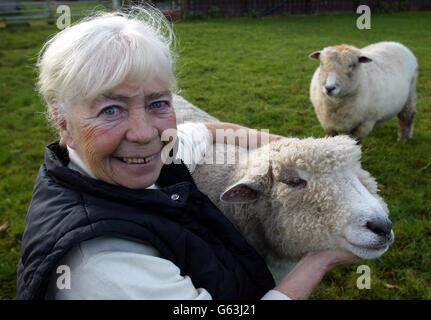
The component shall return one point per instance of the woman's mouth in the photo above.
(137, 160)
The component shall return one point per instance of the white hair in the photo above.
(100, 52)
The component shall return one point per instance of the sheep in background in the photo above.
(354, 89)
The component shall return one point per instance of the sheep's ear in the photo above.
(315, 55)
(239, 193)
(364, 59)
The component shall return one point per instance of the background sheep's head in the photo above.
(339, 69)
(312, 194)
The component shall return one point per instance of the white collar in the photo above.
(77, 164)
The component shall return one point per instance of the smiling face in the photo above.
(118, 134)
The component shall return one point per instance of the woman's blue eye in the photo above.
(111, 111)
(159, 104)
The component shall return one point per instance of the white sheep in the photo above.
(296, 195)
(354, 89)
(185, 111)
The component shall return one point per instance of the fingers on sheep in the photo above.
(299, 195)
(354, 89)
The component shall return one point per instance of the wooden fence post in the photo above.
(184, 8)
(116, 5)
(52, 9)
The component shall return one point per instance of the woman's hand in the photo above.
(334, 258)
(309, 271)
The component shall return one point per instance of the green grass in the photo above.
(254, 72)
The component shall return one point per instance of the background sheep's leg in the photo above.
(407, 115)
(363, 130)
(331, 133)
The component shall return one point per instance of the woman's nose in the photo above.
(141, 128)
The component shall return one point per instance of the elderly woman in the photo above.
(108, 219)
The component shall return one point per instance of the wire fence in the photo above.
(18, 13)
(14, 12)
(266, 7)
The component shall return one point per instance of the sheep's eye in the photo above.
(292, 179)
(295, 182)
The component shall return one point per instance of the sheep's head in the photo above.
(340, 68)
(312, 194)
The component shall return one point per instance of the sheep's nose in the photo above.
(380, 226)
(330, 89)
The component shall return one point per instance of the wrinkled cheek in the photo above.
(166, 122)
(171, 121)
(97, 147)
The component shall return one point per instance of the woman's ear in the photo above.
(65, 134)
(66, 137)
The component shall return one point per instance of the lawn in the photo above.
(254, 72)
